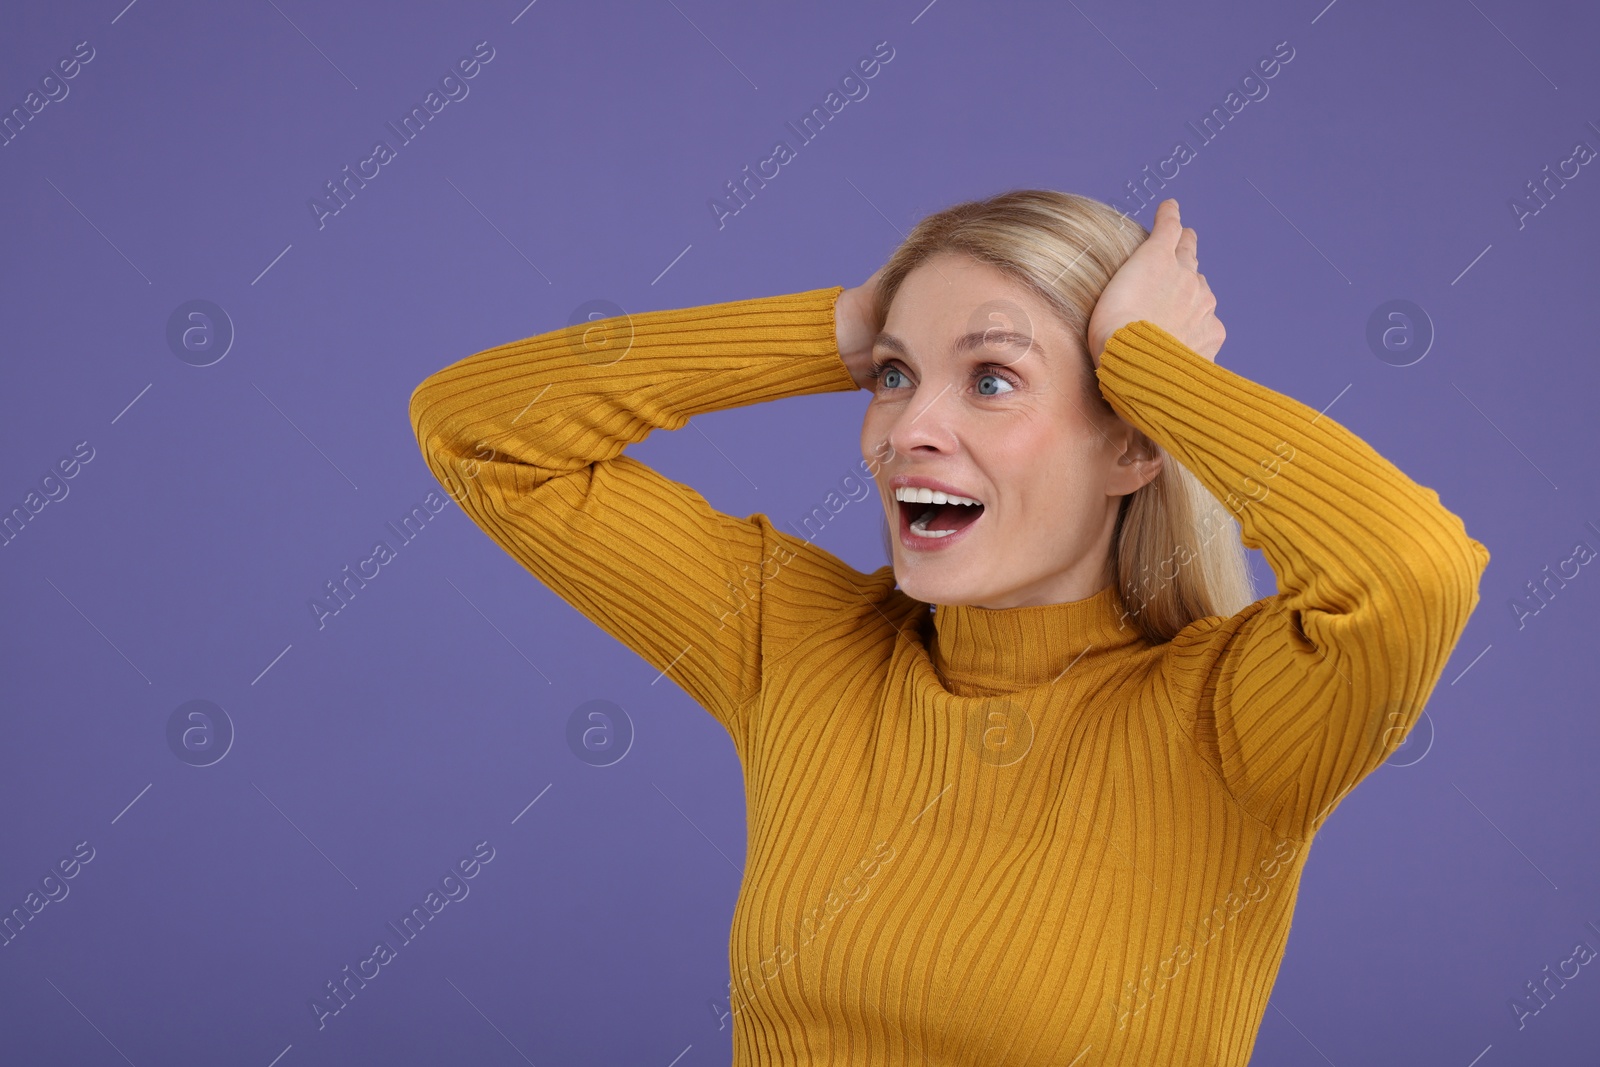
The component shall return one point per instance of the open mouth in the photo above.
(939, 520)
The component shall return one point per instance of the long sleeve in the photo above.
(1298, 696)
(527, 437)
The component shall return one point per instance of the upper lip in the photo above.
(912, 481)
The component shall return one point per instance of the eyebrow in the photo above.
(977, 339)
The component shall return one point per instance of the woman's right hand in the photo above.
(855, 317)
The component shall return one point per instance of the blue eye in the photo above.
(877, 371)
(998, 378)
(886, 375)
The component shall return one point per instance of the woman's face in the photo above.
(984, 392)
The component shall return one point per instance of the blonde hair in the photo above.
(1168, 563)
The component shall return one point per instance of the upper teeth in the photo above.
(913, 495)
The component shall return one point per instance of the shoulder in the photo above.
(809, 590)
(1203, 640)
(1183, 672)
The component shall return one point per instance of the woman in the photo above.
(1048, 800)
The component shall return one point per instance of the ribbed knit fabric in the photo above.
(1023, 836)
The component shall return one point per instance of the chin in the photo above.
(930, 588)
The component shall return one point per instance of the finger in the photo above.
(1188, 249)
(1167, 226)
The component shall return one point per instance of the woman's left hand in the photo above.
(1161, 282)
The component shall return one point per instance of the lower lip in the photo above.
(913, 543)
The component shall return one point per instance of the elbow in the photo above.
(419, 409)
(437, 403)
(1445, 561)
(1446, 578)
(1457, 564)
(429, 413)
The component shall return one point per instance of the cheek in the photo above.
(875, 455)
(1053, 479)
(873, 432)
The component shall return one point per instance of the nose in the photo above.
(926, 424)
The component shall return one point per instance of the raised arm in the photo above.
(1300, 695)
(527, 437)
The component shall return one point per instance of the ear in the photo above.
(1137, 464)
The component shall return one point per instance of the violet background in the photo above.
(432, 710)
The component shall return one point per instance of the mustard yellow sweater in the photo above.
(1023, 836)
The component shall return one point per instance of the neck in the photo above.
(984, 651)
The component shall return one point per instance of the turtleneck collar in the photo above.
(984, 651)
